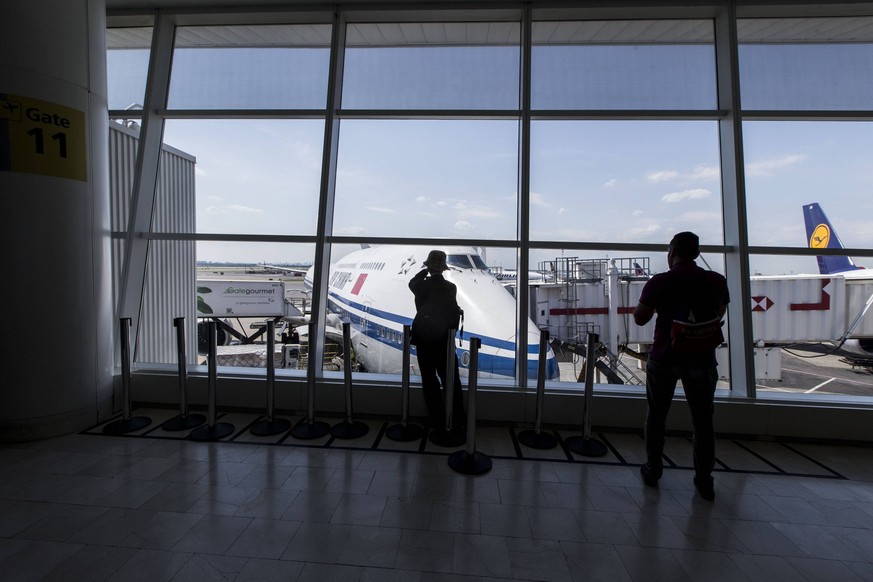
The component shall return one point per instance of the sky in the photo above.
(603, 181)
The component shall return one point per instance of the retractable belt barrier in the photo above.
(213, 430)
(126, 423)
(470, 462)
(449, 436)
(183, 420)
(404, 432)
(585, 445)
(349, 428)
(309, 428)
(270, 425)
(535, 438)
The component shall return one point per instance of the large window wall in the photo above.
(558, 150)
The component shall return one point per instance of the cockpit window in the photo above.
(460, 261)
(477, 260)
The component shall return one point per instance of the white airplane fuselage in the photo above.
(369, 289)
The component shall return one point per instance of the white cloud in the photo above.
(693, 194)
(645, 232)
(610, 183)
(381, 209)
(422, 199)
(705, 173)
(463, 225)
(662, 176)
(537, 199)
(771, 166)
(700, 217)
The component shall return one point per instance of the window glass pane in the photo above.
(789, 165)
(628, 181)
(806, 63)
(241, 286)
(623, 64)
(797, 321)
(252, 176)
(250, 67)
(127, 63)
(449, 179)
(369, 288)
(576, 293)
(435, 65)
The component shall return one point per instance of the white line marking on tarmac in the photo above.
(814, 388)
(847, 380)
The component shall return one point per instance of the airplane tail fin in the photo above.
(821, 235)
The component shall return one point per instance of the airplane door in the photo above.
(542, 315)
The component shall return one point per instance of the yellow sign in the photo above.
(820, 238)
(38, 137)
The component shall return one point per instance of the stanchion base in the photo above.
(211, 433)
(349, 430)
(586, 447)
(305, 430)
(124, 426)
(448, 438)
(537, 440)
(270, 427)
(404, 434)
(180, 422)
(468, 464)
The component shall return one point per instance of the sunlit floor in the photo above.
(153, 506)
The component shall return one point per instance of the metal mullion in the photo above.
(522, 290)
(416, 241)
(808, 252)
(144, 189)
(327, 195)
(218, 237)
(629, 114)
(805, 115)
(734, 211)
(242, 113)
(417, 114)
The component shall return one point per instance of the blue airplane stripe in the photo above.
(489, 363)
(486, 340)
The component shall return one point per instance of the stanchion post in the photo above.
(183, 421)
(127, 423)
(348, 429)
(585, 445)
(270, 425)
(449, 436)
(450, 380)
(404, 431)
(535, 438)
(213, 430)
(309, 428)
(470, 462)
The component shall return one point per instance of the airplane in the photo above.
(369, 289)
(512, 275)
(821, 235)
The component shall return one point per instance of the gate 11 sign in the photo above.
(38, 137)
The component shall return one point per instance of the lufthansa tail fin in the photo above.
(821, 235)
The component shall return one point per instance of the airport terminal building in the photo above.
(184, 177)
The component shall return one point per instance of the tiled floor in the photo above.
(154, 506)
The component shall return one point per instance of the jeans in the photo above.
(699, 385)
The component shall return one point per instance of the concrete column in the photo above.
(56, 369)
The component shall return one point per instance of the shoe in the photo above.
(650, 477)
(705, 487)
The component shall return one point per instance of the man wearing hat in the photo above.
(690, 302)
(437, 312)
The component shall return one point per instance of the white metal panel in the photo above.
(797, 309)
(857, 295)
(169, 287)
